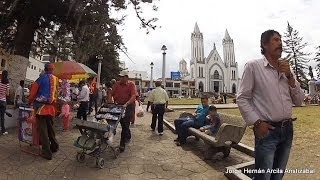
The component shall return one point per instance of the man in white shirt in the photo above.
(267, 92)
(83, 98)
(19, 97)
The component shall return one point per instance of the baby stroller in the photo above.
(96, 136)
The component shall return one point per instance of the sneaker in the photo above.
(5, 133)
(121, 148)
(161, 133)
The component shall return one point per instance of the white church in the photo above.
(212, 74)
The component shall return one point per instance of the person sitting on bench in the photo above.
(196, 121)
(213, 122)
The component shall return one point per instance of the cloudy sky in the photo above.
(245, 21)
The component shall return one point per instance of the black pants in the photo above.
(157, 113)
(47, 135)
(125, 125)
(82, 110)
(2, 112)
(93, 100)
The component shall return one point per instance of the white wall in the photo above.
(34, 69)
(136, 74)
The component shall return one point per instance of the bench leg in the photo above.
(226, 151)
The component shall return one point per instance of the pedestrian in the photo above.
(65, 115)
(124, 93)
(267, 92)
(104, 95)
(83, 98)
(196, 120)
(225, 98)
(4, 92)
(159, 98)
(93, 97)
(43, 95)
(19, 97)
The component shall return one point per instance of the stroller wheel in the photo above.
(100, 163)
(80, 157)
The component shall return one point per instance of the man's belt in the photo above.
(282, 123)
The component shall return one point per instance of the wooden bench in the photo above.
(229, 134)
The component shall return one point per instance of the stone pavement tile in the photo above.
(136, 169)
(184, 172)
(212, 174)
(40, 177)
(147, 176)
(119, 170)
(199, 176)
(129, 176)
(171, 167)
(21, 177)
(194, 167)
(181, 178)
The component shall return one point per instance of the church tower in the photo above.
(230, 63)
(197, 63)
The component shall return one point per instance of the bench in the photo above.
(229, 134)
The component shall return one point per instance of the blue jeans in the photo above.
(272, 152)
(182, 125)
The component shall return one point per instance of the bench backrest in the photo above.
(232, 128)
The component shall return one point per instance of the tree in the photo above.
(317, 59)
(294, 49)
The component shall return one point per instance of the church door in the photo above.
(216, 86)
(234, 90)
(200, 86)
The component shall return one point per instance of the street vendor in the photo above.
(124, 93)
(43, 95)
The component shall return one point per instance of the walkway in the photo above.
(148, 156)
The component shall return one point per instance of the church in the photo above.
(211, 73)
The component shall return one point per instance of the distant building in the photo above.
(122, 64)
(183, 69)
(35, 68)
(212, 73)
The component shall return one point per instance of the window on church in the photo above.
(199, 72)
(216, 75)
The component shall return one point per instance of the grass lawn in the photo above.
(305, 151)
(192, 101)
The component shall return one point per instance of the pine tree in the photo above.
(298, 58)
(317, 59)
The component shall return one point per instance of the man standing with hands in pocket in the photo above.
(266, 94)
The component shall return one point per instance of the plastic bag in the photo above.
(140, 112)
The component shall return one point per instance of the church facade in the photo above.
(212, 73)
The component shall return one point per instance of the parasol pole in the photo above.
(99, 70)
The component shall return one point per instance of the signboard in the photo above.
(175, 75)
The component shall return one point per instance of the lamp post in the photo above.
(164, 48)
(151, 78)
(99, 57)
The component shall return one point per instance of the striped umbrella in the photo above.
(72, 70)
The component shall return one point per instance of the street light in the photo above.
(151, 78)
(99, 57)
(164, 48)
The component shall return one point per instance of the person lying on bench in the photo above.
(196, 121)
(212, 120)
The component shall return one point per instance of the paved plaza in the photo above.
(148, 156)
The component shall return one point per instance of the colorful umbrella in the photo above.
(72, 70)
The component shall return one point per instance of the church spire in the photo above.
(226, 35)
(214, 46)
(196, 28)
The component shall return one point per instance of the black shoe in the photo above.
(153, 129)
(127, 141)
(46, 157)
(176, 140)
(122, 148)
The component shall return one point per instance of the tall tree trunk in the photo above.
(25, 35)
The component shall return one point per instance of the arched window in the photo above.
(216, 74)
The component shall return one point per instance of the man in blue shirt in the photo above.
(196, 120)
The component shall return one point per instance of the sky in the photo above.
(245, 21)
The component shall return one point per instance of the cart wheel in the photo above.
(100, 163)
(80, 157)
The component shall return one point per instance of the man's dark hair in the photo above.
(212, 108)
(265, 38)
(158, 83)
(204, 97)
(4, 77)
(22, 83)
